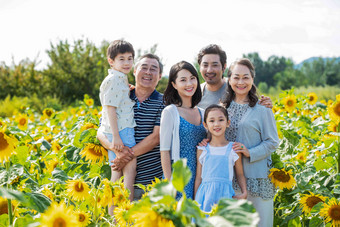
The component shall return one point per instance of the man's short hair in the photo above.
(152, 56)
(213, 49)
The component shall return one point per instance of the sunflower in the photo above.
(82, 217)
(301, 156)
(89, 102)
(334, 111)
(282, 178)
(94, 153)
(58, 215)
(120, 194)
(148, 217)
(309, 201)
(88, 125)
(3, 206)
(331, 211)
(48, 193)
(51, 164)
(7, 146)
(120, 214)
(289, 103)
(22, 120)
(312, 98)
(46, 130)
(106, 199)
(48, 112)
(333, 127)
(77, 189)
(55, 146)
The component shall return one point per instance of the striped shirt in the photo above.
(147, 115)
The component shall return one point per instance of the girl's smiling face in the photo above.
(216, 122)
(185, 83)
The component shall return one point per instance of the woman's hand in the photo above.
(204, 142)
(240, 148)
(241, 196)
(266, 101)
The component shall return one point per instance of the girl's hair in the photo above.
(252, 95)
(214, 107)
(171, 95)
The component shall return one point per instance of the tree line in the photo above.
(79, 68)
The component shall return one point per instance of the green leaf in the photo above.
(23, 221)
(315, 222)
(12, 194)
(181, 174)
(4, 221)
(37, 201)
(161, 190)
(59, 176)
(321, 164)
(294, 222)
(238, 212)
(105, 172)
(22, 154)
(292, 137)
(46, 144)
(190, 209)
(217, 221)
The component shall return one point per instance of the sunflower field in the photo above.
(54, 172)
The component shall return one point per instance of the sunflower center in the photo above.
(281, 176)
(22, 121)
(334, 212)
(95, 151)
(312, 201)
(3, 142)
(79, 187)
(3, 208)
(337, 109)
(59, 222)
(48, 113)
(311, 98)
(81, 218)
(290, 103)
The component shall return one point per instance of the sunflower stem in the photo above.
(338, 129)
(9, 201)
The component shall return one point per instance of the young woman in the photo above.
(182, 121)
(253, 128)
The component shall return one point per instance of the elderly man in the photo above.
(147, 113)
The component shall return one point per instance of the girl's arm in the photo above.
(198, 179)
(166, 164)
(117, 143)
(240, 178)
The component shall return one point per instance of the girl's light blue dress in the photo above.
(190, 135)
(216, 179)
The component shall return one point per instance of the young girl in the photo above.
(118, 118)
(181, 121)
(216, 162)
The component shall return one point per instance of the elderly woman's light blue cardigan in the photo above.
(257, 131)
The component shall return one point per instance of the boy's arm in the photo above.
(117, 143)
(198, 179)
(240, 178)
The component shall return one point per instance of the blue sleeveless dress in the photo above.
(216, 182)
(190, 135)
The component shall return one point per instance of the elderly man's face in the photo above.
(147, 73)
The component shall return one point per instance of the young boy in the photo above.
(117, 113)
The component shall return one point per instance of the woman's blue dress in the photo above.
(190, 135)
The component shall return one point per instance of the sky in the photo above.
(296, 29)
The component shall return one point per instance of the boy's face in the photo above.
(122, 62)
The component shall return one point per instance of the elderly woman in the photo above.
(253, 129)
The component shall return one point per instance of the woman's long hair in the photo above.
(171, 95)
(252, 95)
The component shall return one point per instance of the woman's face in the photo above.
(185, 83)
(241, 80)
